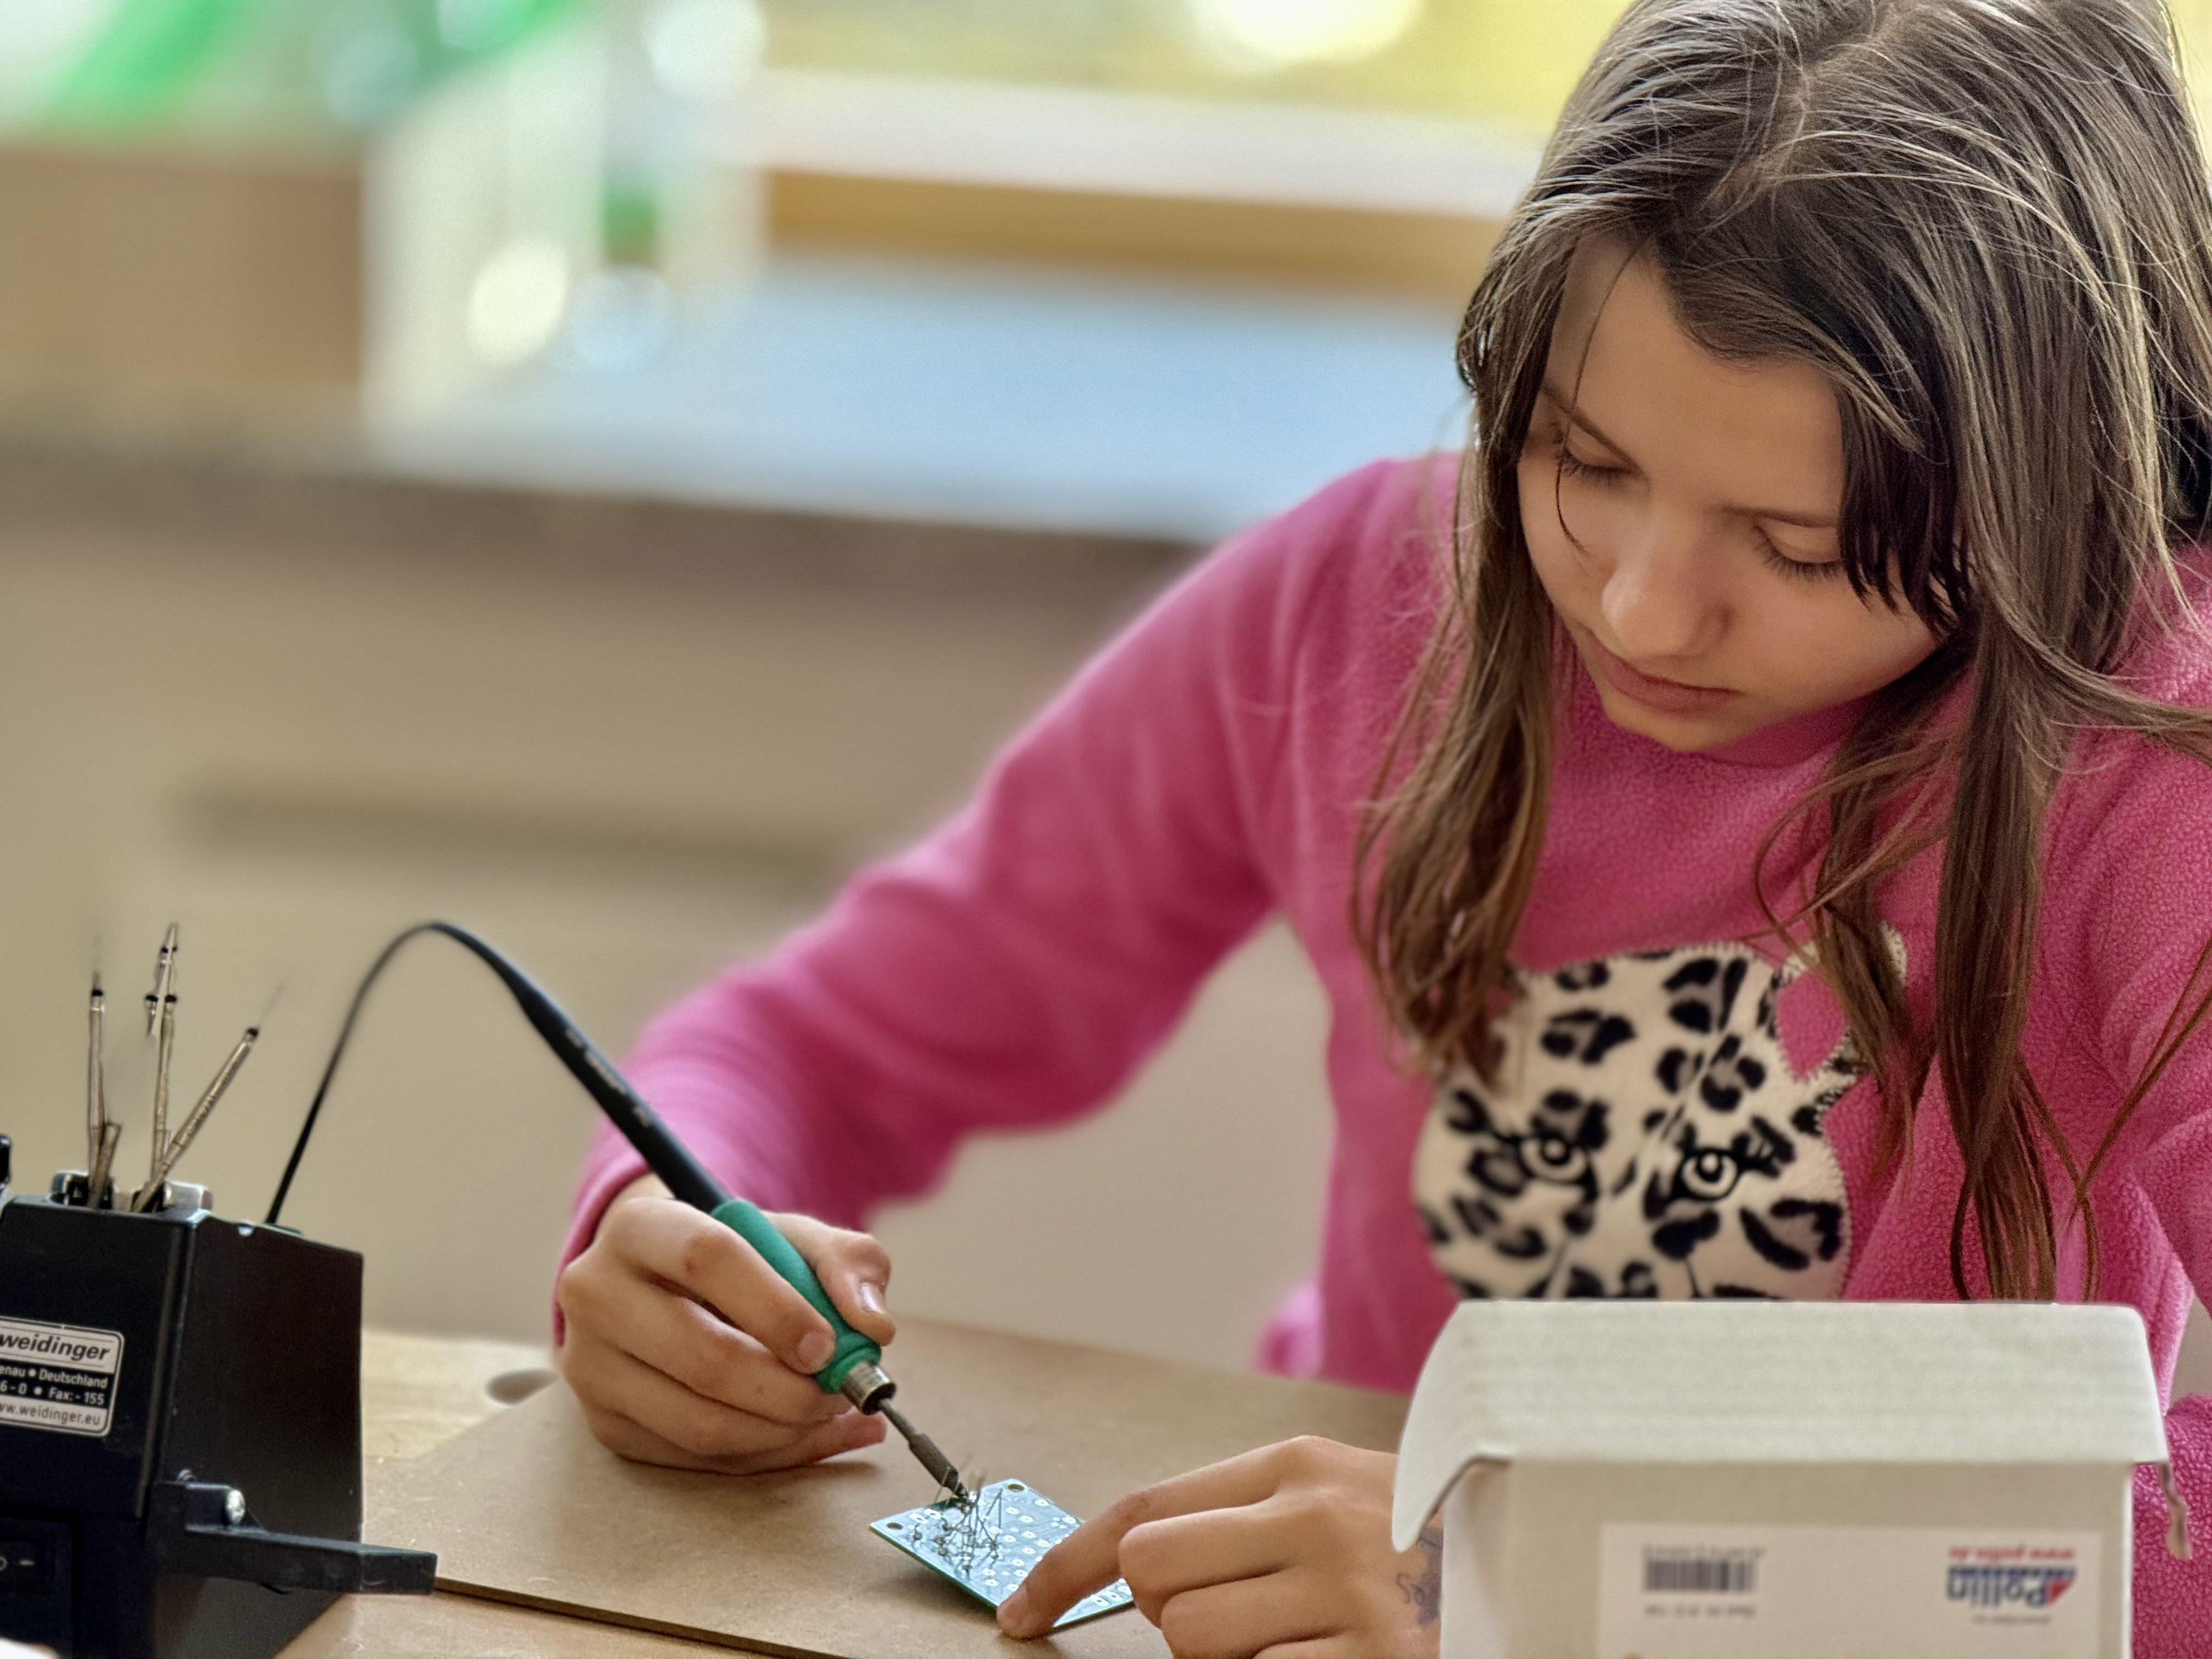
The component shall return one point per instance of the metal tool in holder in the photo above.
(179, 1394)
(179, 1405)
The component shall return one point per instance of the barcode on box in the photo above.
(1700, 1572)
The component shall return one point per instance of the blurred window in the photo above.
(1505, 62)
(324, 67)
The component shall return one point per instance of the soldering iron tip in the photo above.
(926, 1454)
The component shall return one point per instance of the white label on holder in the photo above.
(1720, 1592)
(61, 1377)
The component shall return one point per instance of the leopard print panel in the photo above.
(1647, 1138)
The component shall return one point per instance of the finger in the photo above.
(708, 1356)
(706, 1260)
(1162, 1559)
(1089, 1558)
(1236, 1621)
(1326, 1647)
(851, 1432)
(610, 1302)
(700, 1430)
(648, 1185)
(627, 1437)
(854, 1269)
(704, 1428)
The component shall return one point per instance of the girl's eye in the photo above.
(1573, 465)
(1811, 570)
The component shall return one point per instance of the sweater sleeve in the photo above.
(2143, 879)
(2174, 1597)
(1013, 969)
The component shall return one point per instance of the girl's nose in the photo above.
(1658, 601)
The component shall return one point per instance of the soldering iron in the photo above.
(855, 1368)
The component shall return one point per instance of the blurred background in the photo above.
(599, 470)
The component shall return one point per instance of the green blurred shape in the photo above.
(154, 58)
(513, 22)
(146, 60)
(629, 223)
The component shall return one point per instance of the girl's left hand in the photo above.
(1283, 1553)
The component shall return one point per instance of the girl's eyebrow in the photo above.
(1575, 416)
(1566, 407)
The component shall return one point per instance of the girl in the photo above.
(1766, 852)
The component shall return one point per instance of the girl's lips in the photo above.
(1669, 696)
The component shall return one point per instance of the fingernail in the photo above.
(1014, 1612)
(815, 1349)
(871, 1297)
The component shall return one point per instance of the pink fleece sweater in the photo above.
(1678, 1114)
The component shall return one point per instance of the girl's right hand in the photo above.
(687, 1350)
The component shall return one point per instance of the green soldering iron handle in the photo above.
(749, 1223)
(639, 1124)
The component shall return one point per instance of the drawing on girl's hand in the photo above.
(1424, 1591)
(1647, 1137)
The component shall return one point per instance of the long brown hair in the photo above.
(1987, 223)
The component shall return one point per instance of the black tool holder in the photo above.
(180, 1432)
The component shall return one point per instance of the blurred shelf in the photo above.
(1274, 194)
(976, 395)
(254, 492)
(1129, 144)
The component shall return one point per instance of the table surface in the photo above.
(421, 1392)
(417, 1393)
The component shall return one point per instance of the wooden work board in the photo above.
(528, 1509)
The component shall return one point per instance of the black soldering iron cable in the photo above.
(663, 1154)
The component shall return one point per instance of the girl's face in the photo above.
(1681, 509)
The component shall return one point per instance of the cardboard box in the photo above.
(1721, 1480)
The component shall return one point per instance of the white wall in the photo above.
(294, 752)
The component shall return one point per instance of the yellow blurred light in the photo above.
(517, 299)
(1277, 34)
